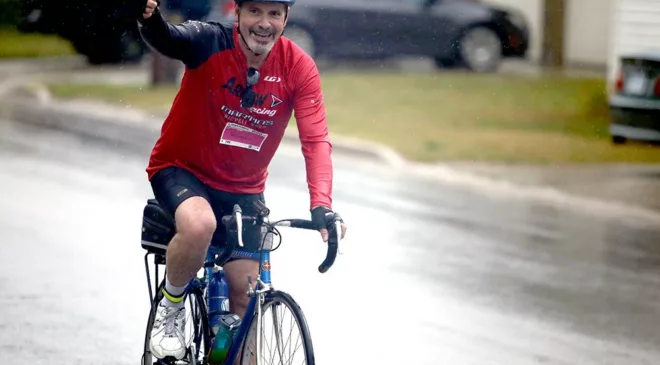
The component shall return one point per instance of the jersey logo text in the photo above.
(237, 116)
(264, 111)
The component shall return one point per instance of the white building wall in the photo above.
(587, 32)
(597, 32)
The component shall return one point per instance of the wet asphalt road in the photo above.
(429, 275)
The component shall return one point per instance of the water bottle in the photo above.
(223, 323)
(218, 298)
(228, 326)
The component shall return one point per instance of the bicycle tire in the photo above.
(271, 299)
(201, 327)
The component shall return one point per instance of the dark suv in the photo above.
(103, 31)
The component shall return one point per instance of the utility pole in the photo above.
(164, 70)
(554, 15)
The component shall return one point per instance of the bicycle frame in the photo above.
(263, 279)
(263, 286)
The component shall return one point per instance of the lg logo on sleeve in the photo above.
(272, 79)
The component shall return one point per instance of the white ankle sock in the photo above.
(173, 295)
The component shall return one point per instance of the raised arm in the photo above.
(192, 42)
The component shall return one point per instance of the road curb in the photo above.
(126, 129)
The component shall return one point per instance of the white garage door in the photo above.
(635, 27)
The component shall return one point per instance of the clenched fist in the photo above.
(151, 6)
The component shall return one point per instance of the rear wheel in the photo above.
(480, 49)
(285, 337)
(131, 47)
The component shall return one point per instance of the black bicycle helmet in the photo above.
(288, 2)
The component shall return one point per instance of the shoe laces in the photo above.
(170, 317)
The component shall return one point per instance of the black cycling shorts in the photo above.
(173, 185)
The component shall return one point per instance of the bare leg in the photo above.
(237, 272)
(195, 224)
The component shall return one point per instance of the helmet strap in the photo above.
(238, 27)
(246, 43)
(286, 16)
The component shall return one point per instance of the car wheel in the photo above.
(618, 140)
(302, 38)
(132, 49)
(480, 49)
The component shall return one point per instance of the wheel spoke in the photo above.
(278, 338)
(286, 351)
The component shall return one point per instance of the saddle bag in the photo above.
(158, 228)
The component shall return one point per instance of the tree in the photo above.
(554, 15)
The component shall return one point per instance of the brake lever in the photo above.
(239, 223)
(338, 233)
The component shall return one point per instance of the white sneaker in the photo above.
(167, 335)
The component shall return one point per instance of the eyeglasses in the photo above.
(249, 96)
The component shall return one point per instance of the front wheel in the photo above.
(285, 337)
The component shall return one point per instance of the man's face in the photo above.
(261, 24)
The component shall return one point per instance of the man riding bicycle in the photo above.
(241, 85)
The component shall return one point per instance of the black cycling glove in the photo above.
(323, 217)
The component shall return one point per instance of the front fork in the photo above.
(262, 289)
(260, 294)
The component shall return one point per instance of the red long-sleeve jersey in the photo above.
(207, 130)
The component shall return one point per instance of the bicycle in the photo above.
(202, 293)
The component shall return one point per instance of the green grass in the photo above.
(155, 100)
(450, 116)
(14, 44)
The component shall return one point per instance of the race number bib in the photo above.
(244, 137)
